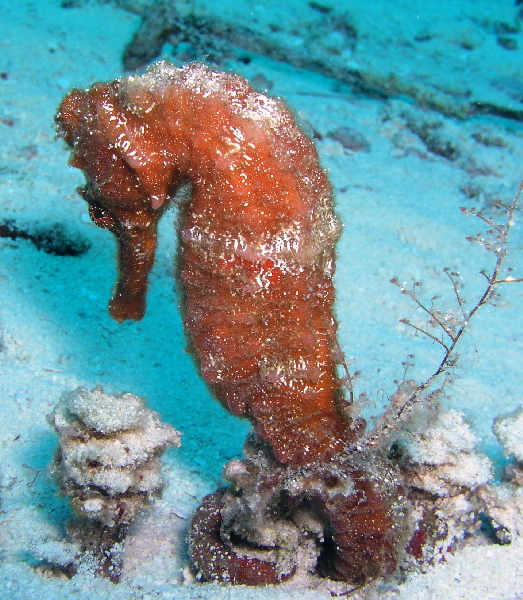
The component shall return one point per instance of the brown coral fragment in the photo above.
(362, 534)
(215, 561)
(333, 520)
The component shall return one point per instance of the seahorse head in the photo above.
(127, 182)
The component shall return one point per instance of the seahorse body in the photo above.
(257, 238)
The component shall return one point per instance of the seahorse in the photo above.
(257, 253)
(257, 238)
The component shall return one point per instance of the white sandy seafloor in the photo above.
(400, 206)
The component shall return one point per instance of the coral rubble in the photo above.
(444, 473)
(337, 519)
(504, 502)
(509, 429)
(108, 463)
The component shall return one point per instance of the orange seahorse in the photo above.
(257, 238)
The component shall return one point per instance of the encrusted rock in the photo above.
(108, 461)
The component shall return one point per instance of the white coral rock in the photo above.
(108, 461)
(442, 458)
(509, 431)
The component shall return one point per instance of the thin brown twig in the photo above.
(449, 358)
(425, 332)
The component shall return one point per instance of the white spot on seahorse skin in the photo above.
(238, 133)
(235, 148)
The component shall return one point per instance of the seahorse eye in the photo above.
(99, 216)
